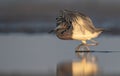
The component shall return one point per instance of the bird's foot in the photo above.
(94, 43)
(78, 47)
(82, 50)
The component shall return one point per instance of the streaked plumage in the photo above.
(73, 25)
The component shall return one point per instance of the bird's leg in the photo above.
(94, 43)
(78, 48)
(87, 54)
(84, 46)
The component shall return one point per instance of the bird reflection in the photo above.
(81, 67)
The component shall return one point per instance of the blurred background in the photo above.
(27, 48)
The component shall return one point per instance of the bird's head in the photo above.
(63, 20)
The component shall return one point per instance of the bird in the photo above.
(74, 25)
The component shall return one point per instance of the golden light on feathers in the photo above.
(73, 25)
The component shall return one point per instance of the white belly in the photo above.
(83, 34)
(80, 36)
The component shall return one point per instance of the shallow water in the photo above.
(41, 53)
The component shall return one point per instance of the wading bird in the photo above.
(73, 25)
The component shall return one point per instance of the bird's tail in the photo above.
(100, 30)
(104, 29)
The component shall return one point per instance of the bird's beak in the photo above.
(58, 27)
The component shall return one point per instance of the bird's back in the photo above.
(83, 29)
(75, 24)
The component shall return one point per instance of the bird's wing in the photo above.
(88, 24)
(84, 22)
(68, 17)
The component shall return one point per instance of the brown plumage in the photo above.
(73, 25)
